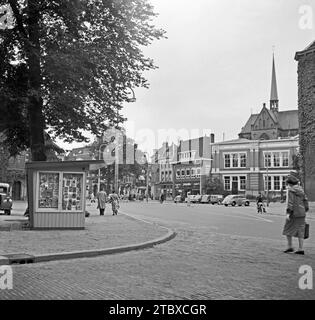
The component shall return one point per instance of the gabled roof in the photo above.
(248, 126)
(286, 120)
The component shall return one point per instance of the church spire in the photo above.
(274, 101)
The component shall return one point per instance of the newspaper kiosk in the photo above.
(56, 193)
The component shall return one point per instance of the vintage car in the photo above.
(216, 198)
(5, 199)
(205, 198)
(234, 200)
(196, 198)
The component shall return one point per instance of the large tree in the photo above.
(68, 66)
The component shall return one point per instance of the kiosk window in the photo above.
(72, 192)
(48, 190)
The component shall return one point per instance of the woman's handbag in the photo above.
(307, 231)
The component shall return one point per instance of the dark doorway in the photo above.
(234, 187)
(16, 190)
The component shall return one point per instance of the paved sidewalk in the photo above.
(101, 232)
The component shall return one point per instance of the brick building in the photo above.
(264, 152)
(163, 178)
(192, 166)
(306, 96)
(271, 123)
(244, 166)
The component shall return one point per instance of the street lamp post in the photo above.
(99, 170)
(147, 176)
(267, 176)
(116, 167)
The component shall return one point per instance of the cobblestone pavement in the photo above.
(100, 232)
(200, 263)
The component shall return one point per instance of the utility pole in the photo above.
(268, 179)
(116, 166)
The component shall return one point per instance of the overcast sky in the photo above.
(215, 66)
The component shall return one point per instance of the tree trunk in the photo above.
(35, 114)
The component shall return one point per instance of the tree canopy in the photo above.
(68, 66)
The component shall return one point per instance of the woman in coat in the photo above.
(297, 206)
(101, 201)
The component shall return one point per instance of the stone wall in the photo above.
(306, 96)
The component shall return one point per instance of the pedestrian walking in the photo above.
(101, 201)
(92, 198)
(114, 200)
(296, 208)
(162, 197)
(188, 199)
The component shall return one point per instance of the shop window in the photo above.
(72, 192)
(60, 191)
(48, 190)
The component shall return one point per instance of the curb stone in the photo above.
(94, 253)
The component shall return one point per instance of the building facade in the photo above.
(193, 165)
(251, 166)
(306, 96)
(162, 160)
(271, 123)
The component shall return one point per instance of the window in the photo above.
(285, 159)
(188, 172)
(48, 190)
(276, 183)
(284, 182)
(198, 172)
(268, 186)
(72, 192)
(60, 191)
(267, 160)
(178, 173)
(193, 172)
(227, 161)
(243, 160)
(227, 183)
(276, 159)
(183, 173)
(235, 160)
(242, 183)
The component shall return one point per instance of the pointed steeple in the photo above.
(274, 101)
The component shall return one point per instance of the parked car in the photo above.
(216, 198)
(5, 199)
(205, 198)
(178, 199)
(234, 200)
(196, 198)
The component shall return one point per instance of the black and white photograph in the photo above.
(156, 155)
